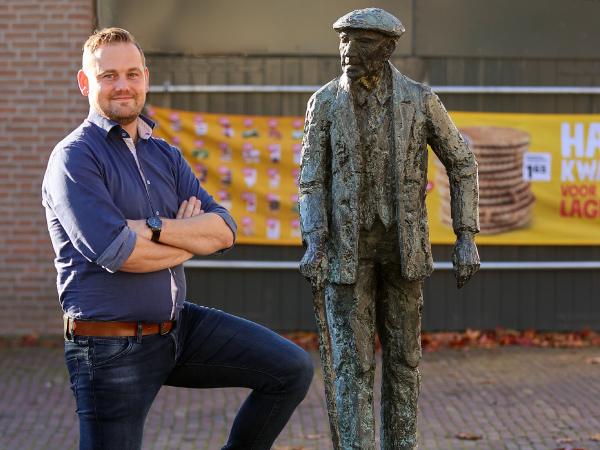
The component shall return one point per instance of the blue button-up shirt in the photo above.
(91, 187)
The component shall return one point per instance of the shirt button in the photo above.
(157, 213)
(148, 181)
(124, 134)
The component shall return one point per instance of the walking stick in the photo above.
(325, 351)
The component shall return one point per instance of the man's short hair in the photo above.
(108, 36)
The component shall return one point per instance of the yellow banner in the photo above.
(539, 179)
(539, 174)
(249, 164)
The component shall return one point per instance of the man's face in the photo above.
(363, 52)
(116, 82)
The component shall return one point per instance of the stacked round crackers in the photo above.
(505, 199)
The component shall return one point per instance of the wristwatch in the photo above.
(155, 225)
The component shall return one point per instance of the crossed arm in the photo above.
(192, 232)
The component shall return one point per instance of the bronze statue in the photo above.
(363, 182)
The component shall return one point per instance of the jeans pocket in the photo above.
(107, 350)
(73, 368)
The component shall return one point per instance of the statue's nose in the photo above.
(350, 49)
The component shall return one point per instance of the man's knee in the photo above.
(301, 369)
(306, 369)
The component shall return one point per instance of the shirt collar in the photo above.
(145, 125)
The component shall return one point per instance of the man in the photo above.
(124, 212)
(363, 182)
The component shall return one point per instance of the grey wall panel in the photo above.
(263, 70)
(279, 299)
(507, 28)
(511, 299)
(238, 26)
(459, 28)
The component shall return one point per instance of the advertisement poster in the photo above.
(539, 174)
(539, 179)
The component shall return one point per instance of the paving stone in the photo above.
(517, 398)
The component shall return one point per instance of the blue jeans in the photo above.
(115, 380)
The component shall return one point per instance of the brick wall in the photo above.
(40, 53)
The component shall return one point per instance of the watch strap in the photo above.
(156, 234)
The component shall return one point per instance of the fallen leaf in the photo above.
(565, 440)
(287, 447)
(593, 360)
(31, 339)
(468, 436)
(310, 436)
(595, 437)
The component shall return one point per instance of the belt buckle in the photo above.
(68, 325)
(161, 329)
(65, 327)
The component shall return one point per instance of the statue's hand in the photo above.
(315, 263)
(465, 258)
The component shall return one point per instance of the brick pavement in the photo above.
(514, 398)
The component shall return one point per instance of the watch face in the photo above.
(154, 222)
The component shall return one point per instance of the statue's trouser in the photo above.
(380, 299)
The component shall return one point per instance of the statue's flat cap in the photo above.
(374, 19)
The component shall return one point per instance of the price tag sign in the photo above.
(536, 166)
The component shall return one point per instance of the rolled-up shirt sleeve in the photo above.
(74, 190)
(118, 251)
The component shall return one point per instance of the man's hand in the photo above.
(465, 258)
(315, 263)
(190, 208)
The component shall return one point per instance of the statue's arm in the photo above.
(313, 192)
(461, 167)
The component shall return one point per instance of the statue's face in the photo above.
(364, 52)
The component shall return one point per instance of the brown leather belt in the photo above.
(115, 329)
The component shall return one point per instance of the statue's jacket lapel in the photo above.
(411, 162)
(346, 167)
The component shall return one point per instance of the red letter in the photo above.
(594, 212)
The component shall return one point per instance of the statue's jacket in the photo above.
(331, 166)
